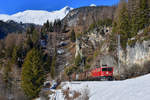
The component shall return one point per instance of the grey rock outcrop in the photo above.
(133, 55)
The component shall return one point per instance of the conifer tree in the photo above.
(51, 27)
(143, 12)
(32, 77)
(47, 64)
(18, 55)
(52, 71)
(121, 25)
(139, 15)
(78, 60)
(29, 43)
(123, 21)
(35, 37)
(73, 36)
(47, 25)
(32, 28)
(64, 28)
(14, 55)
(134, 4)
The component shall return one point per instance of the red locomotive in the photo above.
(102, 73)
(98, 73)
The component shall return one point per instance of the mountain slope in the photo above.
(10, 26)
(36, 16)
(82, 18)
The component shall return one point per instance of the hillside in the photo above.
(9, 27)
(12, 27)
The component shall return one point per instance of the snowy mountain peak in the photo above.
(93, 5)
(66, 9)
(37, 16)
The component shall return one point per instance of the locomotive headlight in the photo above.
(106, 72)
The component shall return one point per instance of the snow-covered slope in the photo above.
(131, 89)
(37, 16)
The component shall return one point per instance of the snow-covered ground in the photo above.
(131, 89)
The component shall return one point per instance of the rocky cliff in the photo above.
(133, 58)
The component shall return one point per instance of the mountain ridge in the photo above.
(38, 17)
(81, 18)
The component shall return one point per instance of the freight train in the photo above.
(95, 74)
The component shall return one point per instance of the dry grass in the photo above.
(76, 95)
(67, 93)
(44, 95)
(58, 87)
(85, 94)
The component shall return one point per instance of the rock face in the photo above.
(138, 54)
(78, 48)
(81, 18)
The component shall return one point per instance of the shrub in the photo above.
(89, 59)
(70, 70)
(105, 22)
(87, 66)
(67, 95)
(132, 42)
(96, 53)
(79, 35)
(112, 47)
(78, 60)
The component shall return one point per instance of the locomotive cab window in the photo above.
(106, 69)
(109, 69)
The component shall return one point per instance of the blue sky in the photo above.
(14, 6)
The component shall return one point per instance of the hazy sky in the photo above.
(14, 6)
